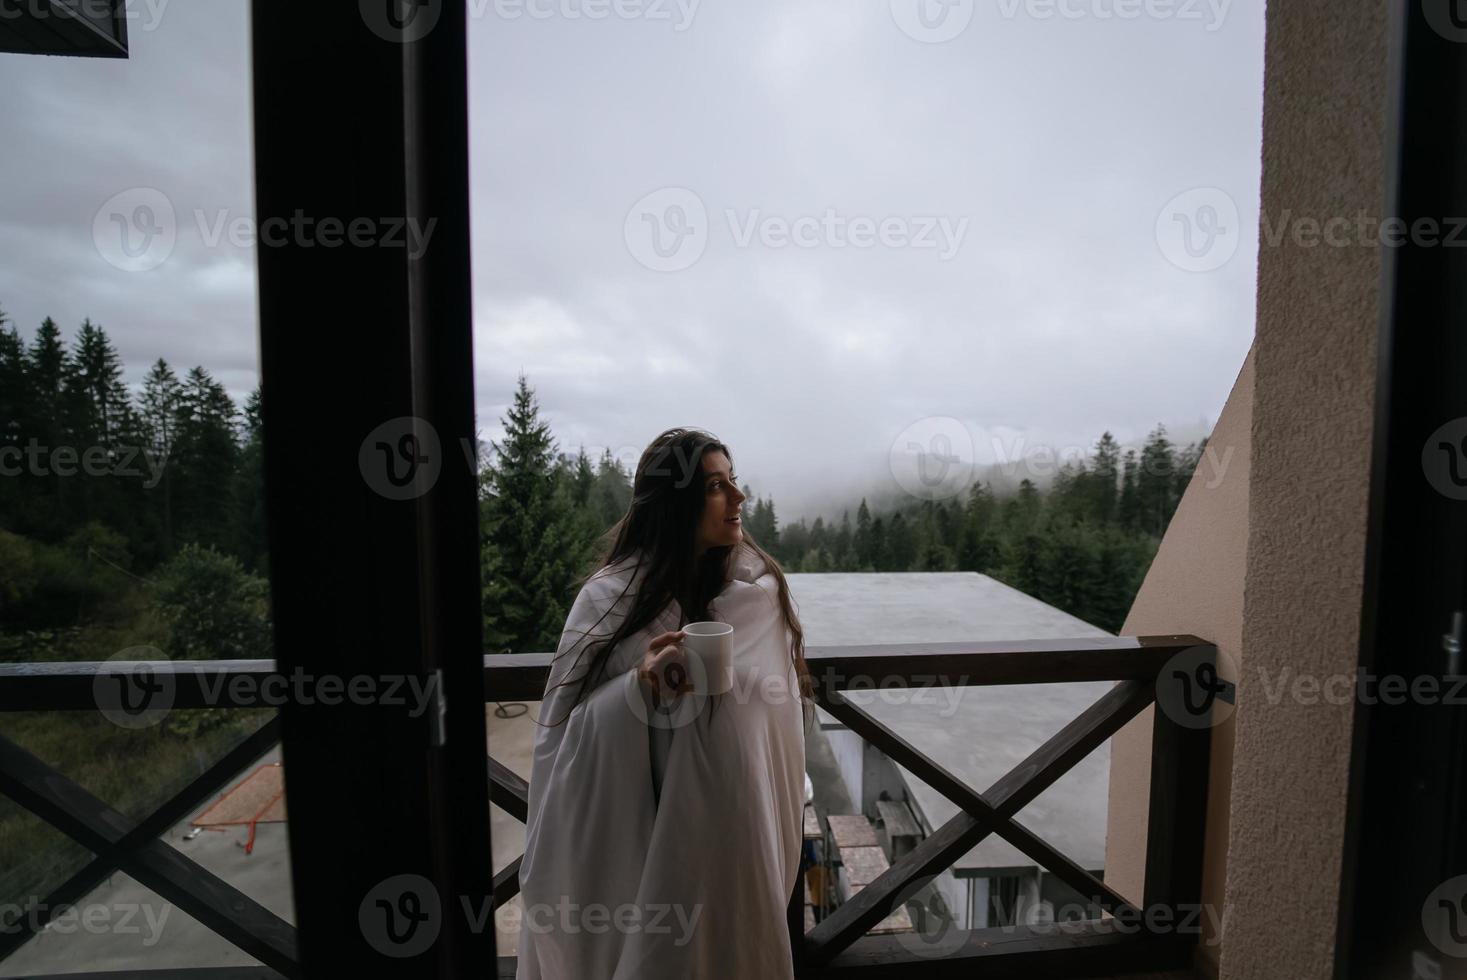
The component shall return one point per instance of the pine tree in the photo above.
(1021, 511)
(97, 399)
(901, 543)
(861, 543)
(934, 557)
(48, 500)
(1128, 508)
(1104, 471)
(979, 549)
(880, 557)
(12, 431)
(1187, 461)
(841, 548)
(100, 422)
(204, 461)
(1023, 563)
(584, 479)
(46, 365)
(1156, 482)
(818, 536)
(817, 560)
(1120, 567)
(530, 551)
(159, 423)
(979, 511)
(763, 527)
(613, 491)
(1070, 493)
(249, 492)
(949, 520)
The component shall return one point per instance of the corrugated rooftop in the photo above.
(976, 733)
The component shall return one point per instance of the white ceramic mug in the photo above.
(712, 644)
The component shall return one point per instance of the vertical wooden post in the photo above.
(1178, 809)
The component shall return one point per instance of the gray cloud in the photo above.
(1054, 142)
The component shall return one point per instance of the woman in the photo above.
(664, 826)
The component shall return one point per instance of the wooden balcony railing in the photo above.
(1178, 667)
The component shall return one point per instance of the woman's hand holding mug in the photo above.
(664, 667)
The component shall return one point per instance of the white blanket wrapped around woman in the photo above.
(664, 842)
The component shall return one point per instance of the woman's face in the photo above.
(721, 524)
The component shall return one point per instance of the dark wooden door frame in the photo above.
(1406, 824)
(373, 522)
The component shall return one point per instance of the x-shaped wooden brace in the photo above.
(512, 795)
(982, 814)
(135, 848)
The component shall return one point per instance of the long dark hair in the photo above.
(659, 530)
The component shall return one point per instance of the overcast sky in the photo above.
(823, 229)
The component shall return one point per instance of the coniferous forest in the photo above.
(132, 526)
(116, 501)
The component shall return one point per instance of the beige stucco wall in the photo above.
(1194, 585)
(1309, 461)
(1323, 154)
